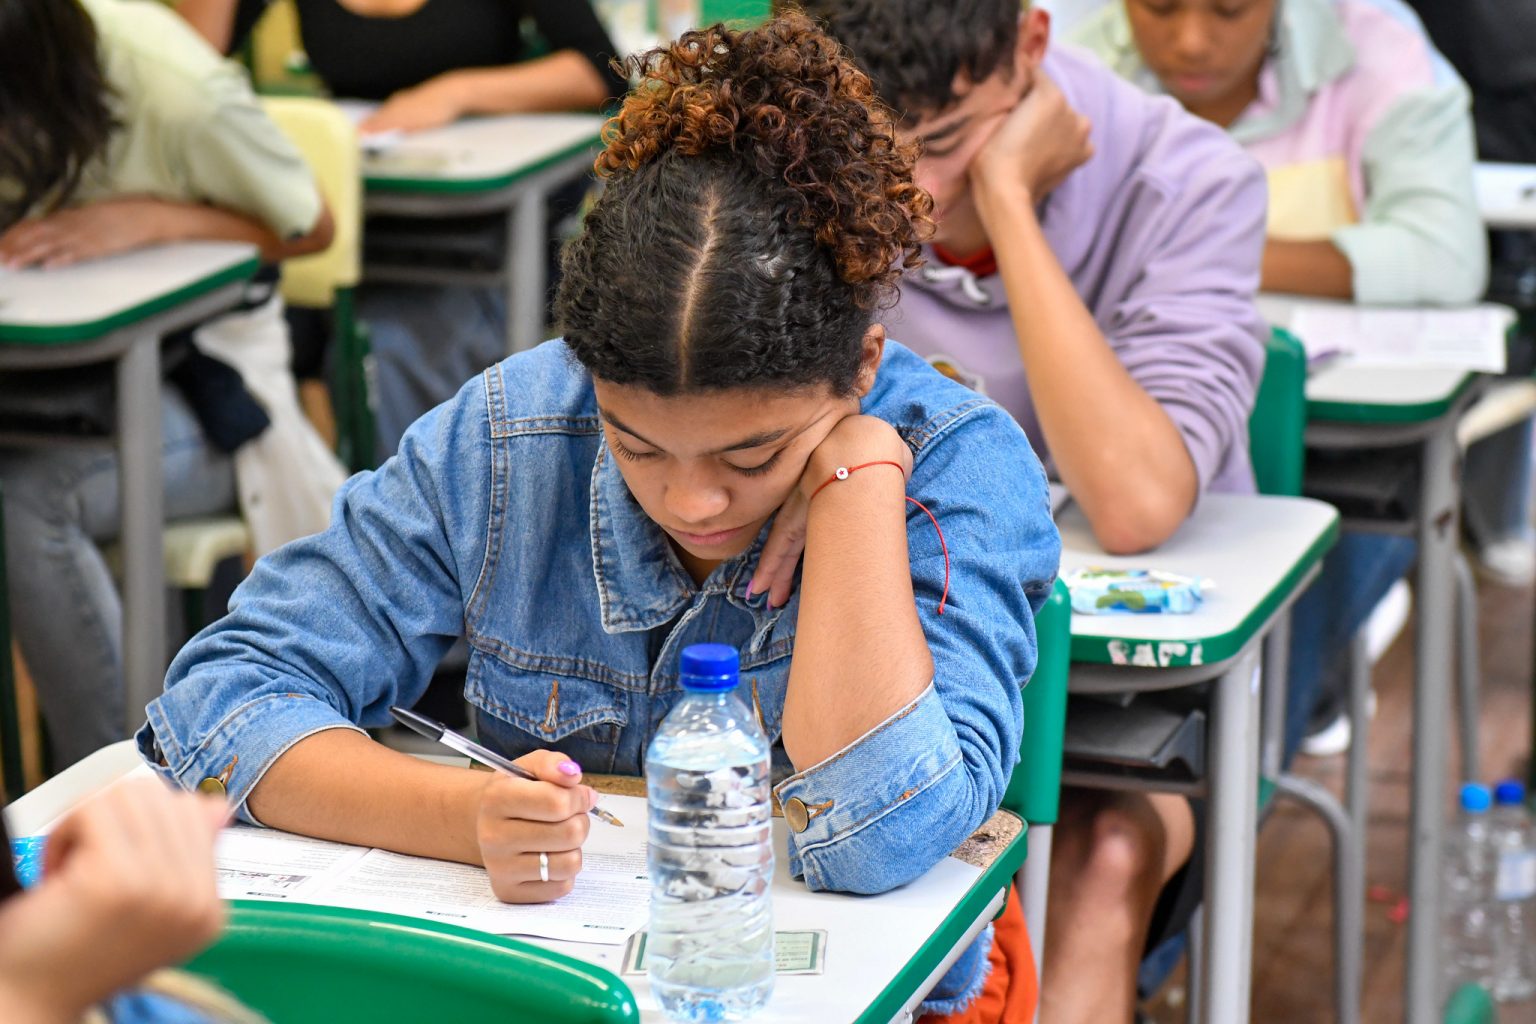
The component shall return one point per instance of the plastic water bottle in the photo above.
(1514, 890)
(710, 946)
(1469, 933)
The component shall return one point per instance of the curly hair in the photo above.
(914, 49)
(55, 105)
(759, 210)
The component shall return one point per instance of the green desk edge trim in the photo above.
(1364, 412)
(1213, 649)
(90, 330)
(993, 880)
(460, 186)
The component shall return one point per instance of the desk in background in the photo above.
(1260, 552)
(1360, 408)
(883, 952)
(507, 164)
(1506, 195)
(117, 309)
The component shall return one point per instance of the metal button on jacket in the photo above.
(796, 814)
(211, 785)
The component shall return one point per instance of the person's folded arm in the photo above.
(1188, 332)
(1420, 239)
(329, 631)
(892, 801)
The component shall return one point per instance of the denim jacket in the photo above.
(504, 519)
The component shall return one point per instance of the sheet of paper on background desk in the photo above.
(609, 901)
(358, 111)
(1470, 338)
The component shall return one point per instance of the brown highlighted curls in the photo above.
(788, 102)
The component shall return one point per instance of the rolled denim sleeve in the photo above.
(329, 631)
(886, 808)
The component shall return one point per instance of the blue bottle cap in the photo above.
(1510, 791)
(1475, 797)
(710, 667)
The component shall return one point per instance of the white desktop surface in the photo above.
(870, 938)
(1506, 195)
(103, 288)
(1245, 544)
(480, 148)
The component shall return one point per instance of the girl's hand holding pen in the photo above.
(530, 833)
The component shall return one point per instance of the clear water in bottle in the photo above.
(1469, 934)
(1514, 891)
(709, 951)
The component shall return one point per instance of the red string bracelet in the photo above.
(843, 472)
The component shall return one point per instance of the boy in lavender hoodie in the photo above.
(1093, 271)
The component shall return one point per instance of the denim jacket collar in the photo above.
(641, 584)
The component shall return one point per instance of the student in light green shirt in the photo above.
(121, 130)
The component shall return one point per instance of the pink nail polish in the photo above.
(568, 768)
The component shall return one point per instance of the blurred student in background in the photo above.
(429, 63)
(120, 130)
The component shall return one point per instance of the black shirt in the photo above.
(371, 58)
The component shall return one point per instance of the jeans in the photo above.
(427, 340)
(1354, 576)
(1496, 486)
(60, 503)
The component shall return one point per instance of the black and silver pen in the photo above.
(435, 730)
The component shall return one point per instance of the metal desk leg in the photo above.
(142, 500)
(1275, 681)
(1230, 842)
(1469, 676)
(1033, 881)
(1438, 532)
(525, 270)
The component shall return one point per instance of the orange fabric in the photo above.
(982, 262)
(1011, 991)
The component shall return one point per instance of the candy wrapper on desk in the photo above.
(1098, 591)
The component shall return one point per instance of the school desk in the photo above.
(883, 952)
(506, 164)
(1506, 195)
(1260, 552)
(1361, 408)
(116, 310)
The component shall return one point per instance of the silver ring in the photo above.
(543, 867)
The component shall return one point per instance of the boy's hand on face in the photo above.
(1034, 147)
(855, 440)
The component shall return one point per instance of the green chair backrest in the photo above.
(749, 11)
(1034, 791)
(318, 965)
(1276, 428)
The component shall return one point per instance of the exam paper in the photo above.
(1470, 338)
(608, 904)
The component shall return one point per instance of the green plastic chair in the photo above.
(318, 965)
(1277, 426)
(1470, 1004)
(1034, 790)
(751, 12)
